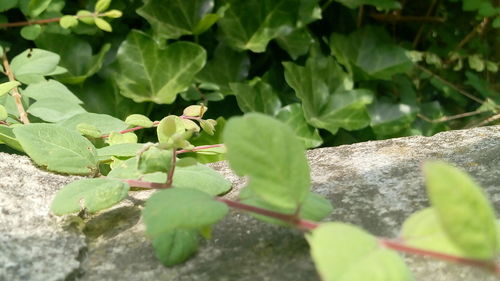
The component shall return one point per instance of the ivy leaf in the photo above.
(327, 99)
(53, 110)
(293, 115)
(424, 230)
(269, 153)
(251, 24)
(296, 43)
(225, 67)
(103, 122)
(51, 89)
(256, 96)
(175, 246)
(92, 194)
(388, 119)
(463, 209)
(60, 149)
(144, 72)
(171, 19)
(380, 4)
(76, 56)
(188, 209)
(202, 178)
(371, 50)
(31, 65)
(344, 252)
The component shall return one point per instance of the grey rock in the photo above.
(375, 185)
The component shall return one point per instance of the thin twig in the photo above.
(15, 91)
(398, 18)
(361, 13)
(486, 121)
(44, 21)
(421, 29)
(449, 118)
(451, 85)
(477, 30)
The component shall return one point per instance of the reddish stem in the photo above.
(170, 175)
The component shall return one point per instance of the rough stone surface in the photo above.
(374, 185)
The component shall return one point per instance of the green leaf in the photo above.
(102, 5)
(118, 138)
(175, 246)
(92, 194)
(296, 43)
(370, 50)
(256, 96)
(88, 130)
(76, 56)
(118, 150)
(194, 111)
(380, 4)
(155, 160)
(314, 208)
(387, 119)
(293, 115)
(60, 149)
(36, 7)
(103, 24)
(33, 64)
(144, 72)
(472, 5)
(172, 19)
(51, 89)
(139, 120)
(85, 16)
(7, 4)
(213, 154)
(225, 67)
(180, 209)
(268, 152)
(205, 23)
(344, 252)
(7, 137)
(53, 110)
(104, 123)
(31, 32)
(251, 24)
(424, 230)
(68, 21)
(7, 86)
(463, 209)
(3, 113)
(327, 99)
(168, 127)
(202, 178)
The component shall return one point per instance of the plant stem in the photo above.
(43, 21)
(200, 148)
(170, 175)
(398, 18)
(15, 91)
(155, 123)
(449, 118)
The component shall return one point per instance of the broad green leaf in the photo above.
(3, 113)
(36, 7)
(225, 67)
(119, 150)
(342, 252)
(296, 43)
(251, 24)
(104, 123)
(51, 89)
(88, 130)
(380, 4)
(314, 208)
(53, 110)
(256, 96)
(76, 56)
(59, 149)
(424, 230)
(139, 120)
(7, 137)
(155, 160)
(31, 32)
(387, 119)
(144, 72)
(31, 65)
(7, 86)
(268, 152)
(371, 50)
(463, 209)
(119, 138)
(180, 209)
(293, 115)
(327, 99)
(92, 194)
(202, 178)
(172, 18)
(7, 4)
(175, 246)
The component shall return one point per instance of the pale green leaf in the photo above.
(54, 110)
(33, 62)
(102, 24)
(51, 89)
(144, 72)
(3, 113)
(59, 149)
(119, 150)
(7, 137)
(202, 178)
(103, 122)
(68, 21)
(268, 152)
(92, 194)
(7, 86)
(187, 209)
(175, 246)
(342, 252)
(31, 32)
(463, 209)
(155, 160)
(139, 120)
(102, 5)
